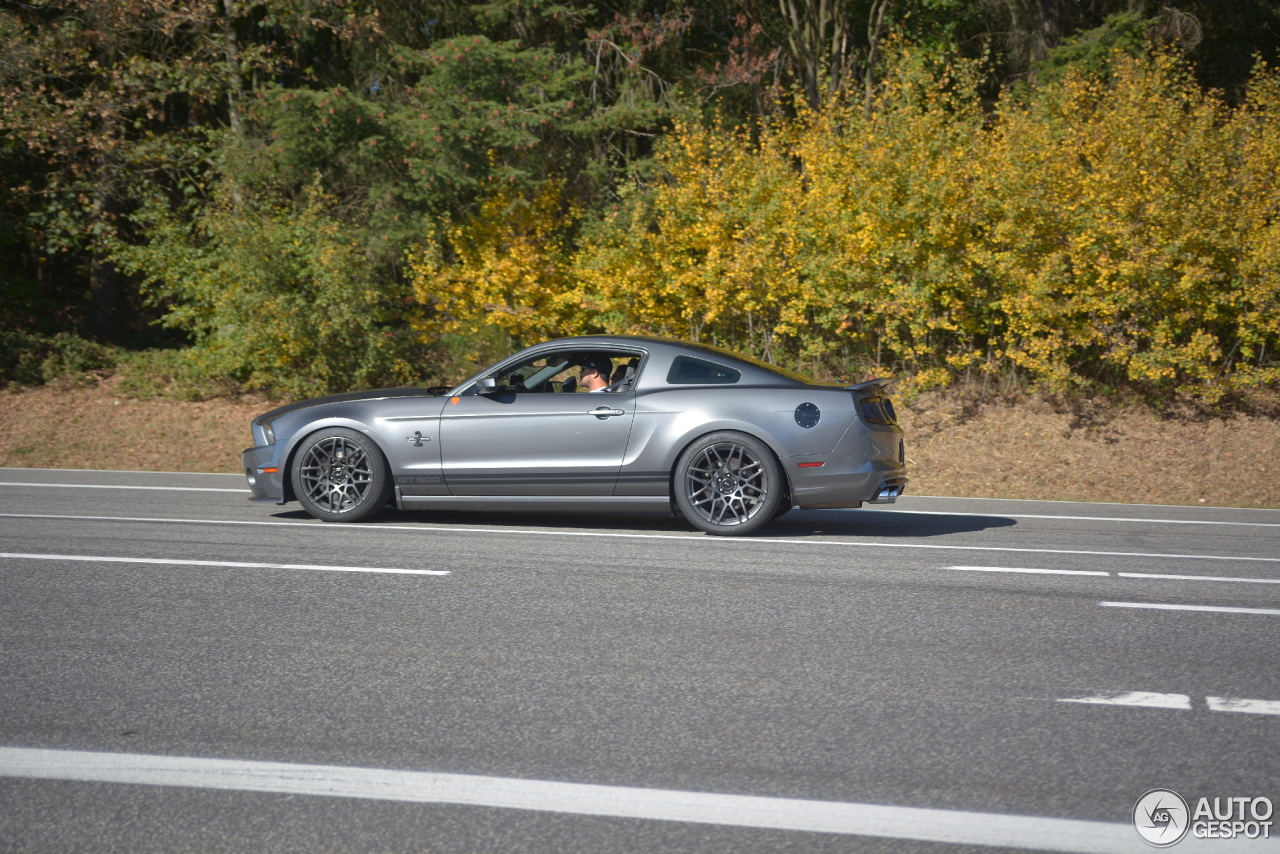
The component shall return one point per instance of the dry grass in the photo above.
(1034, 449)
(1031, 449)
(60, 426)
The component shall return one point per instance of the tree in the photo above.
(120, 99)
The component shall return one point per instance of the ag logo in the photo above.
(1161, 817)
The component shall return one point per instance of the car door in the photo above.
(560, 443)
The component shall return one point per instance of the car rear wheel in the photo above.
(728, 484)
(339, 475)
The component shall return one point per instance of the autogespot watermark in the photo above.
(1162, 818)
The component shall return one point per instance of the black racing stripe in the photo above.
(464, 481)
(532, 476)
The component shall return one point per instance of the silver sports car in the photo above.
(722, 439)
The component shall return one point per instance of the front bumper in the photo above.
(262, 471)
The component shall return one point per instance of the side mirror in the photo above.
(485, 385)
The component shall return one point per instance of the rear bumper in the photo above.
(266, 485)
(865, 467)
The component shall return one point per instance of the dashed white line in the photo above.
(220, 563)
(115, 486)
(1251, 707)
(1030, 571)
(1134, 698)
(1140, 575)
(1156, 606)
(1151, 700)
(694, 538)
(892, 822)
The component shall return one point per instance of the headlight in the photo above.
(268, 435)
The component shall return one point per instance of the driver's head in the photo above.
(594, 366)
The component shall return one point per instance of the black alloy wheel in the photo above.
(728, 484)
(340, 475)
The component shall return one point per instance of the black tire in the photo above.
(728, 484)
(340, 475)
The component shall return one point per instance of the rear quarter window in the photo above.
(686, 370)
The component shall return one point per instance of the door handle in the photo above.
(605, 412)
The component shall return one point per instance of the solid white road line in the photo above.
(14, 470)
(1080, 518)
(1030, 571)
(901, 510)
(1212, 608)
(1253, 707)
(221, 563)
(114, 486)
(695, 538)
(933, 825)
(1135, 698)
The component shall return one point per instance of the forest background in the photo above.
(305, 196)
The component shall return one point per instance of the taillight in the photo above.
(878, 410)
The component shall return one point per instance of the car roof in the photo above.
(663, 350)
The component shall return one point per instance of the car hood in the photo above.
(372, 394)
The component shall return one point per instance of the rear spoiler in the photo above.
(877, 385)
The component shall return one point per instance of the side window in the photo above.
(570, 371)
(608, 371)
(686, 370)
(546, 373)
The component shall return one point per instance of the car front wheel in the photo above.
(339, 475)
(728, 484)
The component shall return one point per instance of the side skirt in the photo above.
(538, 503)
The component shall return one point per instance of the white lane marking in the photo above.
(933, 825)
(129, 471)
(1081, 518)
(1212, 608)
(1135, 698)
(903, 510)
(1198, 578)
(1148, 575)
(1252, 707)
(113, 486)
(1177, 701)
(221, 563)
(697, 538)
(1031, 571)
(915, 495)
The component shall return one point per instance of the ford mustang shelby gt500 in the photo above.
(599, 422)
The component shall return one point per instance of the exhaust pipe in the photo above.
(887, 494)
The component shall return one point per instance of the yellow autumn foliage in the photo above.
(507, 267)
(712, 253)
(1117, 229)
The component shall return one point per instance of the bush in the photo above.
(36, 359)
(1116, 230)
(278, 297)
(176, 374)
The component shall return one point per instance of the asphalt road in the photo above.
(1038, 664)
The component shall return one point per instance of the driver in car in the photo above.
(594, 375)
